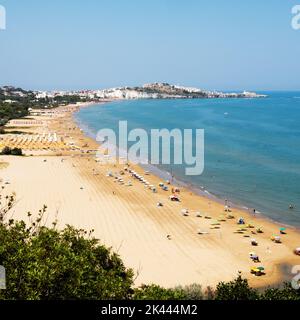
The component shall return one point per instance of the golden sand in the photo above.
(161, 244)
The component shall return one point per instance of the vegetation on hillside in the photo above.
(15, 102)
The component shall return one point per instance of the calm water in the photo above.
(252, 146)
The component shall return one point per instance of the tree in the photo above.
(14, 152)
(235, 290)
(6, 151)
(193, 292)
(285, 293)
(155, 292)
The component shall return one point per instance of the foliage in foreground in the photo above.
(155, 292)
(236, 290)
(44, 263)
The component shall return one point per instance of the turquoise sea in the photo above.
(252, 146)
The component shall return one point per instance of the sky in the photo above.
(91, 44)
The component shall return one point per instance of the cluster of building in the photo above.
(148, 91)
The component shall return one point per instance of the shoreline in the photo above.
(198, 191)
(176, 181)
(78, 192)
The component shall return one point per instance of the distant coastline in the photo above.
(149, 91)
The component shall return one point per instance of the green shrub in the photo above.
(16, 152)
(192, 292)
(235, 290)
(285, 293)
(155, 292)
(13, 152)
(43, 263)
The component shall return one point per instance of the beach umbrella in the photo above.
(202, 232)
(221, 218)
(261, 268)
(253, 242)
(282, 230)
(184, 212)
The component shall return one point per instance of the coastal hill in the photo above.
(167, 91)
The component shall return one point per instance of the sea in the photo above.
(251, 146)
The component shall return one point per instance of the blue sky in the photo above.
(221, 44)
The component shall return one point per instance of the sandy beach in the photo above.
(77, 191)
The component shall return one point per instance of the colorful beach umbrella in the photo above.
(261, 268)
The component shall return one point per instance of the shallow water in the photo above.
(252, 146)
